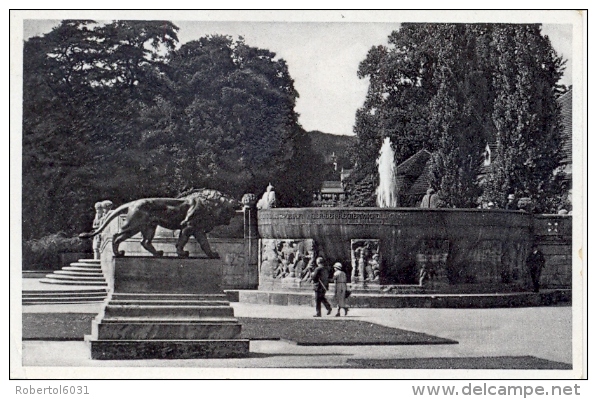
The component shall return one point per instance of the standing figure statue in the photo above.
(512, 204)
(431, 199)
(268, 200)
(107, 205)
(97, 240)
(363, 270)
(374, 267)
(308, 270)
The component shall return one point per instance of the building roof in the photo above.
(414, 165)
(345, 173)
(566, 111)
(421, 185)
(414, 170)
(332, 187)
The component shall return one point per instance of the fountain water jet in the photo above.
(386, 191)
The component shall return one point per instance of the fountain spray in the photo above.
(386, 191)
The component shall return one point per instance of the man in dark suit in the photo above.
(535, 263)
(320, 279)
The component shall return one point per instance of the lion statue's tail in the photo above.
(116, 212)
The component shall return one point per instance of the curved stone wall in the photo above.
(465, 245)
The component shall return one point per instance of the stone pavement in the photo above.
(543, 332)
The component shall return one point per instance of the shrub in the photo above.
(44, 253)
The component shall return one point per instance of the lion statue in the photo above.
(195, 213)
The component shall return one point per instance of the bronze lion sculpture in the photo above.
(195, 214)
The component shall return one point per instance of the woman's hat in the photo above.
(338, 265)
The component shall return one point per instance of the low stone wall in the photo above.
(238, 247)
(485, 248)
(553, 234)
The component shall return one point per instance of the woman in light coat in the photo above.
(340, 283)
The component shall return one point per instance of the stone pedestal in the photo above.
(166, 308)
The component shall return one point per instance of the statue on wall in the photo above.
(268, 200)
(365, 260)
(107, 205)
(195, 214)
(99, 215)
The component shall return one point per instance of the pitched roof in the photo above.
(421, 185)
(332, 187)
(566, 111)
(414, 165)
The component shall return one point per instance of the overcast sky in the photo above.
(322, 58)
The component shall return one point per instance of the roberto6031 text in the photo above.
(49, 390)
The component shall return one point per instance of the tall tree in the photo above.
(77, 118)
(452, 88)
(527, 116)
(236, 125)
(454, 117)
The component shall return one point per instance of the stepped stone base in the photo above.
(169, 349)
(167, 308)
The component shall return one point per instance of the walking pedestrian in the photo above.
(321, 279)
(340, 290)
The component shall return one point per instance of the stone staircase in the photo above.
(81, 282)
(58, 297)
(86, 272)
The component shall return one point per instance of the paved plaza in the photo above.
(541, 332)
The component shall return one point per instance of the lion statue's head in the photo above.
(216, 208)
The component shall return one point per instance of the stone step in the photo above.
(174, 311)
(87, 265)
(65, 293)
(51, 280)
(78, 278)
(167, 349)
(171, 320)
(62, 300)
(83, 268)
(169, 297)
(53, 298)
(153, 330)
(420, 300)
(63, 296)
(91, 261)
(84, 273)
(168, 302)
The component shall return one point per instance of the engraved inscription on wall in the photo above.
(346, 217)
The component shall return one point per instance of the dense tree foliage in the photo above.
(83, 87)
(527, 117)
(453, 88)
(122, 111)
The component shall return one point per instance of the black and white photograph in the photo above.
(299, 195)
